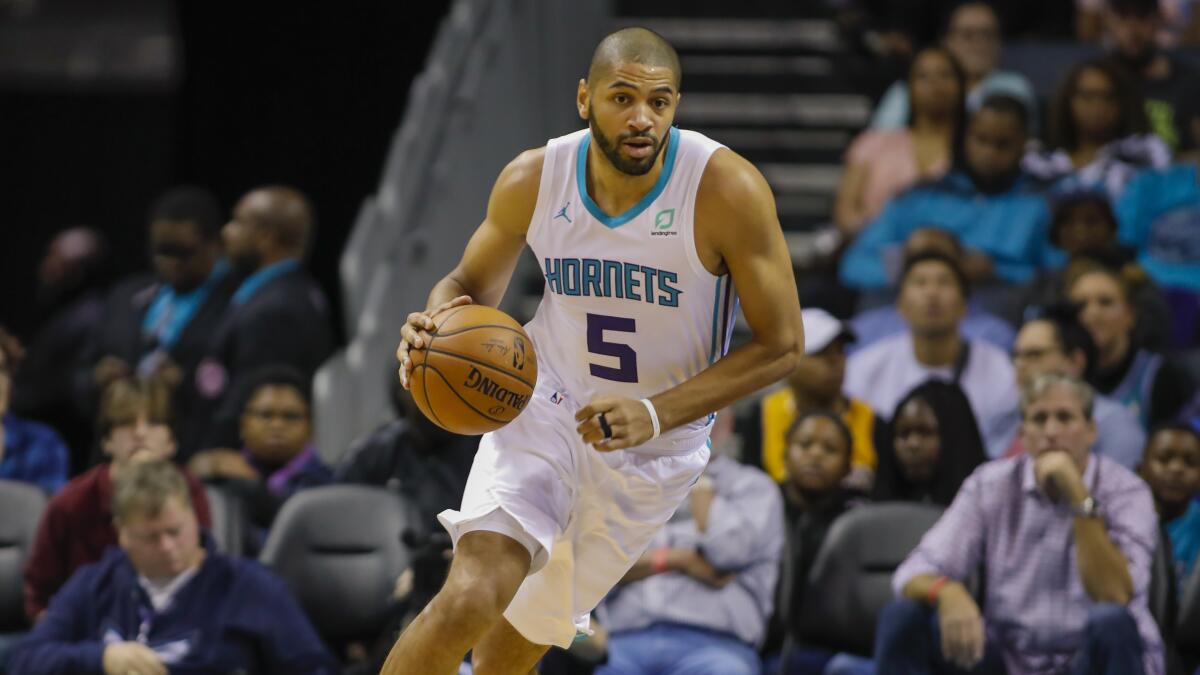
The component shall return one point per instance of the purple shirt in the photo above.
(1036, 607)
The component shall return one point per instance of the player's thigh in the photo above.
(488, 566)
(504, 651)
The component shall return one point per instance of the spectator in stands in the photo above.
(77, 525)
(973, 36)
(815, 384)
(1056, 342)
(277, 458)
(978, 324)
(29, 452)
(1170, 85)
(931, 446)
(1085, 228)
(1099, 136)
(987, 202)
(883, 162)
(1180, 22)
(1160, 217)
(166, 600)
(1149, 384)
(1172, 469)
(933, 292)
(814, 495)
(161, 325)
(277, 316)
(412, 456)
(1064, 540)
(698, 600)
(70, 299)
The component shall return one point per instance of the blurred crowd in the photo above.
(999, 385)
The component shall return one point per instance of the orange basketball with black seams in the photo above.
(477, 373)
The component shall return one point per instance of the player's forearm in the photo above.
(740, 373)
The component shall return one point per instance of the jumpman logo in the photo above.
(562, 213)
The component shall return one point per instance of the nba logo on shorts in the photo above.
(556, 398)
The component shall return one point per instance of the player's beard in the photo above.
(612, 150)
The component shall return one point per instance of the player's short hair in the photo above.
(634, 45)
(143, 488)
(190, 204)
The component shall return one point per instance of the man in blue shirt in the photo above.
(995, 210)
(167, 601)
(29, 452)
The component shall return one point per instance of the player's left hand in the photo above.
(627, 420)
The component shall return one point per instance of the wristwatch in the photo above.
(1088, 508)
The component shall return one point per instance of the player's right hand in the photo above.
(414, 334)
(131, 658)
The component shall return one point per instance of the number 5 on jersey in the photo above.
(627, 358)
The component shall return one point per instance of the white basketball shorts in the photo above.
(586, 516)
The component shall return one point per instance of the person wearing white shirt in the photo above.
(932, 300)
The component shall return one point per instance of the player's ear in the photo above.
(581, 99)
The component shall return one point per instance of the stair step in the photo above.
(845, 111)
(755, 35)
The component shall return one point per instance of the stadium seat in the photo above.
(339, 549)
(22, 505)
(850, 581)
(1187, 628)
(228, 513)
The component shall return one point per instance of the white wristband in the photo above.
(653, 417)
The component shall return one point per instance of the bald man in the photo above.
(643, 231)
(277, 316)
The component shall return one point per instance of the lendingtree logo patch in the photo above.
(664, 224)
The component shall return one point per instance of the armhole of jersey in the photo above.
(544, 190)
(693, 253)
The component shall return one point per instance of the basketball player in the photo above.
(643, 231)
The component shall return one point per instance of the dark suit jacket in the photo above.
(286, 322)
(120, 335)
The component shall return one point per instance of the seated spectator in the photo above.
(1180, 22)
(930, 447)
(162, 325)
(166, 600)
(77, 526)
(29, 452)
(277, 316)
(973, 37)
(277, 458)
(818, 461)
(1172, 470)
(991, 205)
(1064, 541)
(698, 600)
(978, 323)
(1099, 136)
(412, 456)
(815, 384)
(883, 162)
(1085, 228)
(1151, 386)
(932, 299)
(1160, 218)
(1168, 83)
(70, 300)
(1055, 342)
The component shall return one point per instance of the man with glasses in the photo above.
(1064, 539)
(161, 326)
(973, 36)
(1056, 342)
(277, 458)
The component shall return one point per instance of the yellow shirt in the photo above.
(778, 414)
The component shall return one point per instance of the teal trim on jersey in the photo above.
(635, 210)
(712, 344)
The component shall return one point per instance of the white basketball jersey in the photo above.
(628, 308)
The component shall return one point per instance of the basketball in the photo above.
(477, 373)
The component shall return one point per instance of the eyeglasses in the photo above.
(289, 416)
(1033, 354)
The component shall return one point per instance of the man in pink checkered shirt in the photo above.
(1064, 539)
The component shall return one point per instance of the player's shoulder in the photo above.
(524, 172)
(730, 181)
(514, 196)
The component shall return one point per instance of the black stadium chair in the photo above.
(228, 512)
(1187, 628)
(21, 505)
(339, 549)
(850, 581)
